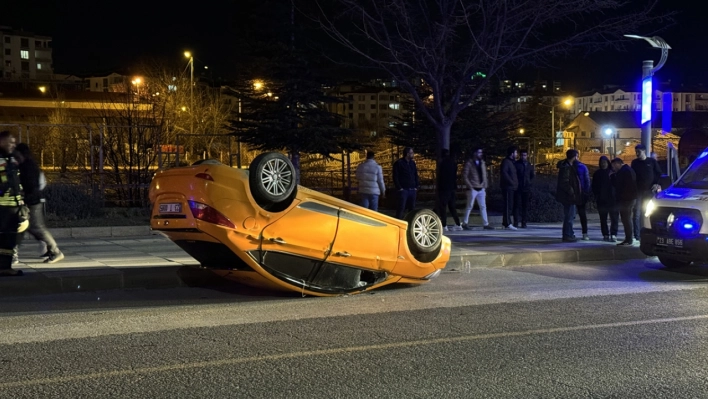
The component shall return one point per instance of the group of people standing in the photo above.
(621, 192)
(517, 177)
(21, 185)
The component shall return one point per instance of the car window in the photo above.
(696, 177)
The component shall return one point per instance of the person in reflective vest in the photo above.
(10, 202)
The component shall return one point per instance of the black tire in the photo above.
(271, 177)
(673, 263)
(424, 234)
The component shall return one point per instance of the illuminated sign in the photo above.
(646, 99)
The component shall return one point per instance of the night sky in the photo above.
(98, 37)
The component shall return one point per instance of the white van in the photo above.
(673, 226)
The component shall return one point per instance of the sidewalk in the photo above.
(99, 259)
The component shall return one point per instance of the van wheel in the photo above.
(424, 234)
(673, 263)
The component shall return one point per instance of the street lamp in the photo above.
(609, 131)
(191, 88)
(521, 131)
(648, 71)
(567, 103)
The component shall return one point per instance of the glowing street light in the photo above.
(521, 131)
(648, 70)
(567, 102)
(43, 89)
(610, 131)
(257, 85)
(191, 88)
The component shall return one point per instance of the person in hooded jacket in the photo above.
(604, 191)
(625, 181)
(585, 193)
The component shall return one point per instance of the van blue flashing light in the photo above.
(646, 99)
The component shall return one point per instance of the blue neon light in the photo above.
(688, 226)
(703, 154)
(646, 99)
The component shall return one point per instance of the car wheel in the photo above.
(673, 263)
(271, 177)
(424, 234)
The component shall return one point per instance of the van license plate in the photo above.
(171, 208)
(669, 242)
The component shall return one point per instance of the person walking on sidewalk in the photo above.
(604, 191)
(568, 192)
(585, 192)
(30, 176)
(10, 202)
(474, 175)
(648, 174)
(525, 174)
(509, 184)
(447, 190)
(405, 179)
(625, 182)
(371, 183)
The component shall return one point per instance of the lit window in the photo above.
(394, 106)
(39, 66)
(171, 88)
(24, 54)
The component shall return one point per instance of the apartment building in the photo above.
(24, 55)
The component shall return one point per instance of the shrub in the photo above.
(70, 201)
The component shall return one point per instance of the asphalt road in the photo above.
(587, 330)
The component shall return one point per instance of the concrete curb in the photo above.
(527, 258)
(100, 232)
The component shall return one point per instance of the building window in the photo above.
(688, 97)
(361, 98)
(105, 82)
(39, 66)
(351, 97)
(612, 107)
(373, 106)
(373, 97)
(24, 54)
(24, 42)
(7, 39)
(362, 116)
(351, 115)
(351, 107)
(394, 106)
(8, 52)
(362, 107)
(25, 66)
(383, 106)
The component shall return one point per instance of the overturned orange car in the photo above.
(259, 228)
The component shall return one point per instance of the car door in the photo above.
(364, 242)
(297, 243)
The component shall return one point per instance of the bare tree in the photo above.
(444, 52)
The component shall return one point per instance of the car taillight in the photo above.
(208, 214)
(204, 176)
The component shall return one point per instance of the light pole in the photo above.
(191, 88)
(648, 70)
(567, 102)
(611, 132)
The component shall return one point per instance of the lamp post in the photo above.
(567, 102)
(191, 88)
(648, 70)
(611, 132)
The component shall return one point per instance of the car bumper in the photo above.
(692, 249)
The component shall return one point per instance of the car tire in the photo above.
(271, 177)
(424, 234)
(673, 263)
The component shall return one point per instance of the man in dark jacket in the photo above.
(10, 202)
(525, 175)
(568, 192)
(648, 174)
(625, 182)
(405, 178)
(604, 191)
(29, 177)
(447, 188)
(509, 184)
